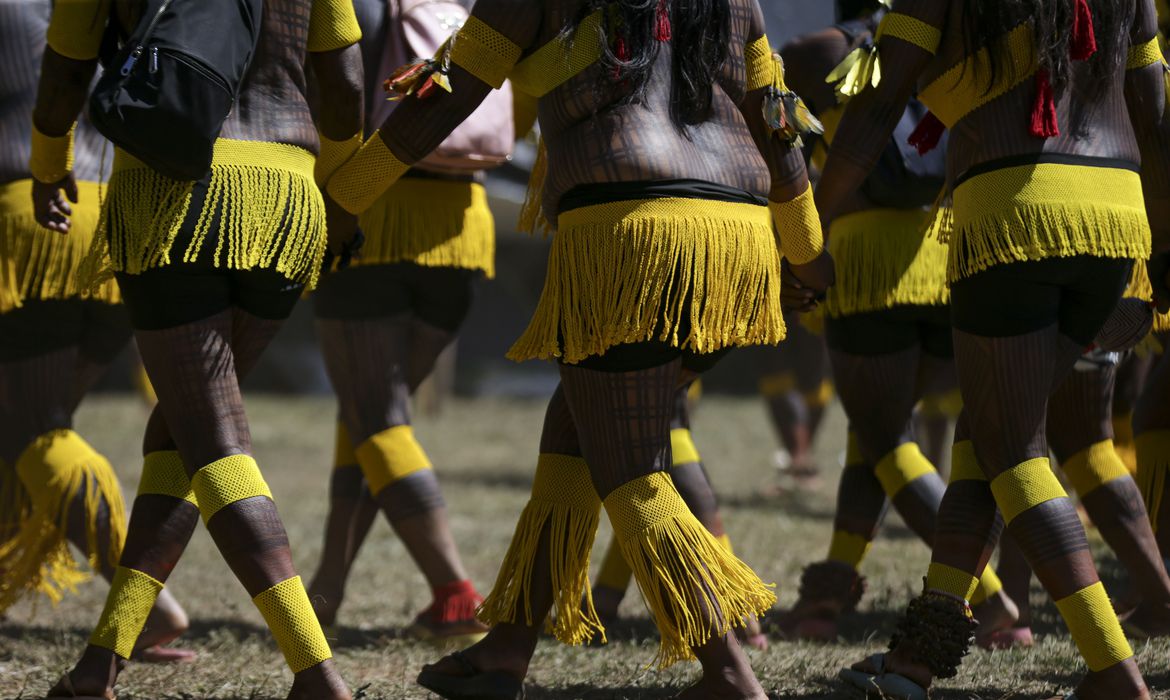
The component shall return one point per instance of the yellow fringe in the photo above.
(532, 218)
(55, 469)
(684, 573)
(634, 271)
(884, 259)
(262, 196)
(36, 263)
(433, 223)
(1047, 210)
(563, 499)
(1140, 288)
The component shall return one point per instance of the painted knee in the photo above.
(901, 467)
(1093, 467)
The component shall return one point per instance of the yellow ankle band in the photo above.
(848, 548)
(131, 598)
(391, 455)
(853, 456)
(614, 573)
(1025, 486)
(900, 467)
(725, 540)
(776, 385)
(289, 614)
(682, 448)
(964, 464)
(989, 585)
(1093, 467)
(225, 481)
(1153, 466)
(343, 453)
(333, 155)
(948, 579)
(51, 157)
(819, 397)
(1094, 627)
(163, 474)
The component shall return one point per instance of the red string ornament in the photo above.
(1044, 124)
(927, 134)
(662, 28)
(1084, 36)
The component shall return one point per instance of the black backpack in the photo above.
(902, 178)
(167, 90)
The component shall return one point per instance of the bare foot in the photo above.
(320, 682)
(166, 622)
(606, 601)
(326, 599)
(727, 673)
(1147, 621)
(752, 635)
(1120, 682)
(997, 613)
(507, 648)
(93, 676)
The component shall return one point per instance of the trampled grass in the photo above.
(485, 452)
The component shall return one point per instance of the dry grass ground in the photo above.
(485, 451)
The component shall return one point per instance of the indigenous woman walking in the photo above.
(59, 338)
(1051, 105)
(208, 270)
(660, 164)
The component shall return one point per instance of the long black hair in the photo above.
(852, 9)
(987, 22)
(632, 35)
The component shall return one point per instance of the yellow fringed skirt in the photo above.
(39, 264)
(697, 274)
(1047, 210)
(432, 223)
(885, 259)
(261, 198)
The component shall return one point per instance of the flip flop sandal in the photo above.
(68, 683)
(888, 685)
(476, 685)
(163, 655)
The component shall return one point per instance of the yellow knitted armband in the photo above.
(333, 25)
(289, 614)
(366, 176)
(484, 52)
(799, 227)
(77, 26)
(225, 481)
(333, 155)
(52, 156)
(1143, 55)
(911, 30)
(163, 474)
(761, 68)
(1025, 486)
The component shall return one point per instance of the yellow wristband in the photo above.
(52, 156)
(761, 68)
(333, 155)
(799, 228)
(366, 176)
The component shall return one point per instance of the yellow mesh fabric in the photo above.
(226, 481)
(558, 61)
(364, 177)
(333, 25)
(77, 26)
(799, 227)
(761, 68)
(1143, 55)
(948, 579)
(989, 585)
(131, 597)
(848, 548)
(391, 455)
(963, 89)
(52, 156)
(901, 466)
(1093, 467)
(682, 447)
(1153, 466)
(163, 474)
(910, 29)
(484, 52)
(333, 155)
(1093, 625)
(820, 396)
(563, 479)
(1047, 210)
(778, 384)
(343, 453)
(289, 614)
(946, 404)
(1025, 486)
(964, 463)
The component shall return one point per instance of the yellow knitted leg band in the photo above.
(947, 404)
(1025, 486)
(614, 573)
(682, 447)
(131, 597)
(989, 585)
(1093, 467)
(1094, 627)
(964, 464)
(343, 452)
(694, 587)
(163, 474)
(904, 464)
(1123, 442)
(57, 469)
(391, 455)
(820, 396)
(563, 501)
(848, 548)
(778, 384)
(289, 614)
(952, 581)
(1153, 464)
(225, 481)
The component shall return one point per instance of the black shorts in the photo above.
(1077, 293)
(439, 296)
(98, 330)
(635, 357)
(892, 330)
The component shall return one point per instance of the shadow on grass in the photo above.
(478, 476)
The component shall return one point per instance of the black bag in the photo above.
(165, 94)
(902, 179)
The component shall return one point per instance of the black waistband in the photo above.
(420, 174)
(1037, 158)
(608, 192)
